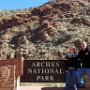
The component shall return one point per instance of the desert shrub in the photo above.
(86, 22)
(45, 23)
(35, 18)
(51, 30)
(37, 11)
(47, 7)
(75, 4)
(1, 22)
(65, 6)
(27, 15)
(76, 20)
(45, 37)
(77, 43)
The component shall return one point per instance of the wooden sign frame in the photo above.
(18, 62)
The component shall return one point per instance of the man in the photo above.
(84, 57)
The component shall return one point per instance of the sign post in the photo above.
(18, 77)
(14, 78)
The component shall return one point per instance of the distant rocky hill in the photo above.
(45, 32)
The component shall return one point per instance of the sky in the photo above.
(20, 4)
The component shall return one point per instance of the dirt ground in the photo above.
(31, 88)
(46, 88)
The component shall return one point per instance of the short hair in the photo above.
(84, 43)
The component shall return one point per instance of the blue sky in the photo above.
(20, 4)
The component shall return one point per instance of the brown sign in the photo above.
(43, 71)
(18, 62)
(7, 78)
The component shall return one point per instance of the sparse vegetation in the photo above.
(45, 32)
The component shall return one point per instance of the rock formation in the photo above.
(47, 31)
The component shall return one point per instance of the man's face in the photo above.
(83, 45)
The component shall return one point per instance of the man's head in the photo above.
(83, 45)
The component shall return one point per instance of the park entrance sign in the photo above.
(43, 71)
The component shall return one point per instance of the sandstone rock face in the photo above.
(65, 6)
(47, 31)
(9, 21)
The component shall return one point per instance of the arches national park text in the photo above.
(46, 69)
(43, 71)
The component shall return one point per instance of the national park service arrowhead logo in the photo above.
(4, 75)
